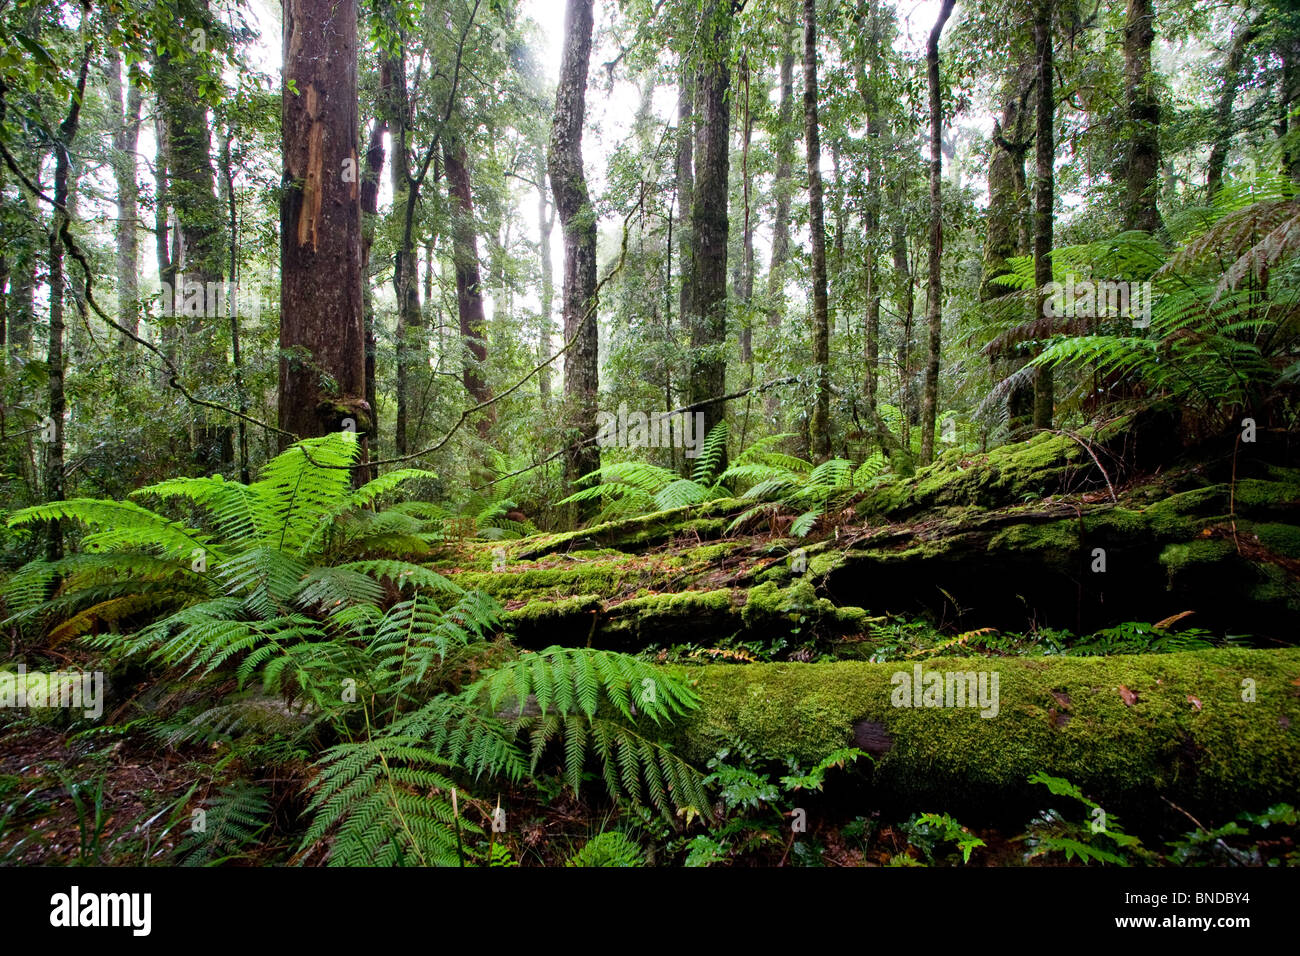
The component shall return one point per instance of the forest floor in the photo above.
(993, 557)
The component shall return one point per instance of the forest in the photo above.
(650, 433)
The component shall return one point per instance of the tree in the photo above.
(322, 364)
(578, 224)
(1006, 234)
(819, 429)
(782, 187)
(1044, 191)
(934, 294)
(1223, 130)
(1142, 164)
(126, 138)
(469, 285)
(706, 267)
(54, 439)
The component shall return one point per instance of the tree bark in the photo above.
(369, 215)
(782, 187)
(706, 268)
(934, 294)
(1066, 716)
(1143, 151)
(126, 138)
(819, 427)
(1044, 190)
(685, 173)
(1005, 234)
(1223, 131)
(578, 223)
(67, 132)
(322, 371)
(406, 193)
(545, 225)
(469, 288)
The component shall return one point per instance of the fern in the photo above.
(233, 820)
(608, 849)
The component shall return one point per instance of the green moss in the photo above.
(1163, 741)
(1181, 556)
(1281, 539)
(1258, 493)
(548, 612)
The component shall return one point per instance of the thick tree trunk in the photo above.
(126, 137)
(934, 293)
(685, 179)
(1067, 716)
(469, 287)
(819, 427)
(1223, 128)
(199, 232)
(782, 187)
(745, 278)
(164, 243)
(905, 294)
(369, 215)
(53, 428)
(578, 223)
(1142, 166)
(545, 225)
(406, 193)
(1005, 234)
(706, 268)
(1044, 190)
(22, 275)
(322, 372)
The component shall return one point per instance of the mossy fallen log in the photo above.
(1204, 727)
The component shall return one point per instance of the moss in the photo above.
(1267, 495)
(1179, 557)
(1056, 540)
(539, 613)
(1005, 475)
(1281, 539)
(1163, 741)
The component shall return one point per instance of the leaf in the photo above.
(1194, 701)
(1130, 698)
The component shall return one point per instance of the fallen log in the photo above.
(1219, 726)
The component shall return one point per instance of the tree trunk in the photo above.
(53, 429)
(819, 428)
(322, 371)
(162, 234)
(126, 137)
(1223, 127)
(685, 184)
(1005, 235)
(1143, 150)
(782, 187)
(22, 274)
(906, 295)
(406, 193)
(469, 289)
(745, 279)
(934, 293)
(545, 225)
(1066, 716)
(1044, 188)
(578, 223)
(369, 215)
(706, 268)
